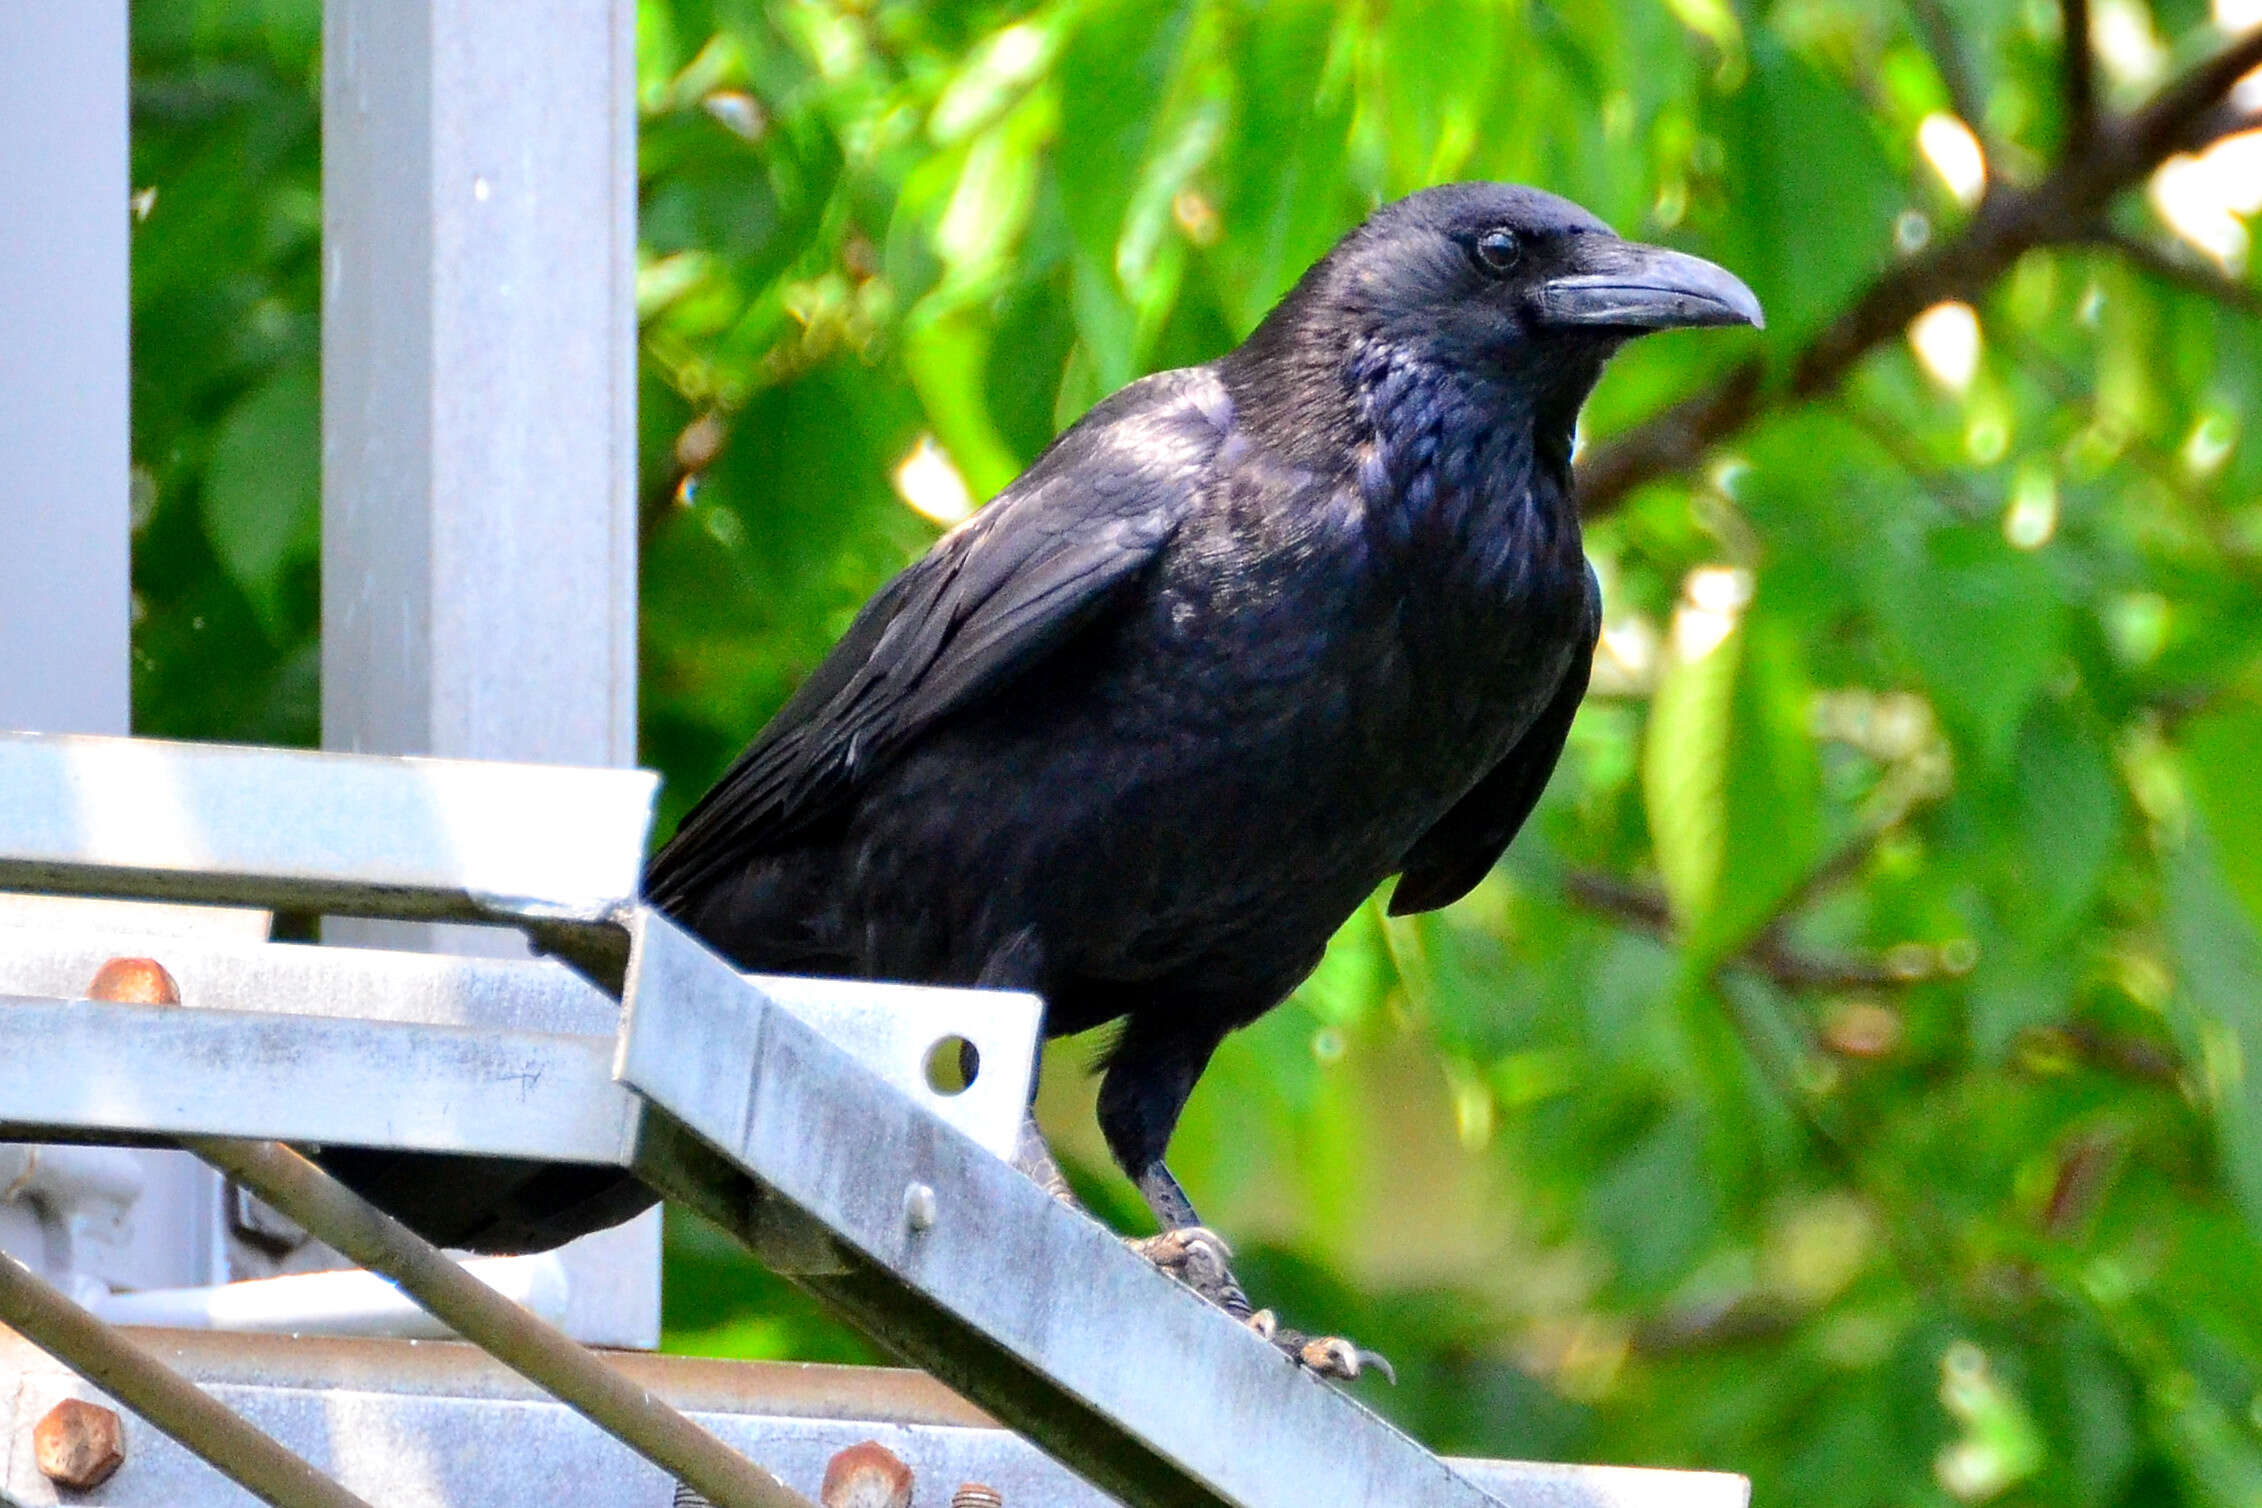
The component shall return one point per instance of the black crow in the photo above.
(1246, 641)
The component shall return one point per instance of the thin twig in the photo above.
(2242, 298)
(1770, 952)
(2077, 72)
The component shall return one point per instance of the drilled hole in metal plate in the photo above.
(952, 1065)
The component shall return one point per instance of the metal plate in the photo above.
(432, 839)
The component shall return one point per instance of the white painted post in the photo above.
(66, 537)
(479, 434)
(64, 589)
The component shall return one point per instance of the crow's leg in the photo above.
(1149, 1076)
(1033, 1159)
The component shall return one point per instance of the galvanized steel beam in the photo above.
(966, 1268)
(91, 1069)
(444, 1426)
(430, 839)
(64, 511)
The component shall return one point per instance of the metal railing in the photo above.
(792, 1114)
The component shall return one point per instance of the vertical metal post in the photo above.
(65, 526)
(479, 436)
(64, 588)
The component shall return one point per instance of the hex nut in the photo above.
(134, 981)
(866, 1475)
(78, 1444)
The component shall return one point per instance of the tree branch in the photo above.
(2243, 298)
(2077, 72)
(2063, 207)
(1770, 953)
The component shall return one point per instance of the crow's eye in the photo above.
(1498, 252)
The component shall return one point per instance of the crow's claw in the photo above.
(1198, 1257)
(1324, 1355)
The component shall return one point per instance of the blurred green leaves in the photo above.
(1806, 240)
(1729, 770)
(263, 486)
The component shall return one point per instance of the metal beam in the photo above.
(354, 1047)
(966, 1268)
(152, 1072)
(478, 340)
(459, 840)
(64, 526)
(479, 419)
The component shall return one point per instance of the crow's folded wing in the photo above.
(1446, 862)
(1044, 560)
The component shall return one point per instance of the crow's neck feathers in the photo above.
(1470, 455)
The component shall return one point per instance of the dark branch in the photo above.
(1791, 968)
(2063, 207)
(2077, 73)
(2187, 113)
(2184, 273)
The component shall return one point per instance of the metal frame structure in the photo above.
(478, 451)
(794, 1115)
(478, 575)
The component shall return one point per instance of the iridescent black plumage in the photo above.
(1248, 640)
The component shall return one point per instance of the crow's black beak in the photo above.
(1625, 285)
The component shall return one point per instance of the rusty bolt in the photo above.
(976, 1495)
(866, 1475)
(79, 1444)
(134, 981)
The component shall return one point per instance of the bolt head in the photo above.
(977, 1495)
(919, 1206)
(134, 981)
(866, 1475)
(78, 1444)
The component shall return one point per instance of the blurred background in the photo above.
(1844, 1079)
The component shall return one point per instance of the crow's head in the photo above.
(1490, 279)
(1490, 273)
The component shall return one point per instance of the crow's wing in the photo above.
(1460, 849)
(1042, 561)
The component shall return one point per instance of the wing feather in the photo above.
(1460, 849)
(1012, 585)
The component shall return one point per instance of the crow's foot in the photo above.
(1198, 1257)
(1326, 1355)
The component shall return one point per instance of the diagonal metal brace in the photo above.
(139, 1381)
(964, 1267)
(537, 1351)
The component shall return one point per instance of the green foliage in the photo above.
(1848, 1079)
